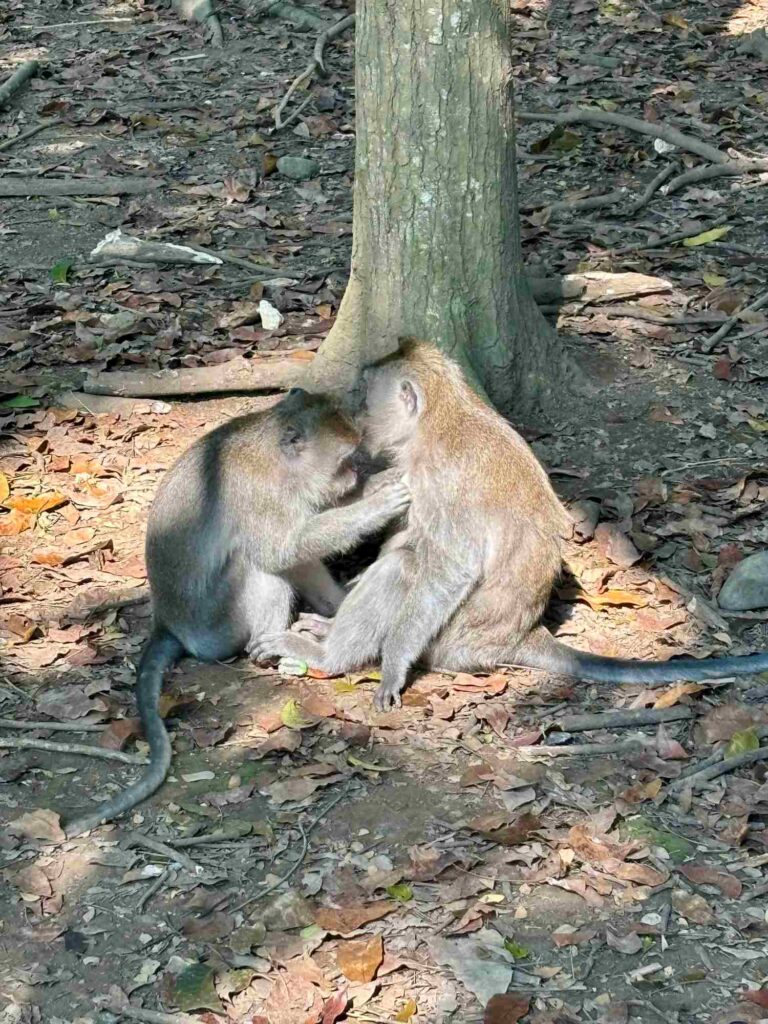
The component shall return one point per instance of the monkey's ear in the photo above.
(293, 440)
(411, 397)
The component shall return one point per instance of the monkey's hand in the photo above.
(386, 697)
(317, 626)
(379, 480)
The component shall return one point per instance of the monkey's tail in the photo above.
(541, 650)
(160, 653)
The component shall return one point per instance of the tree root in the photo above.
(593, 115)
(300, 16)
(709, 343)
(70, 748)
(316, 64)
(265, 373)
(11, 723)
(17, 79)
(139, 839)
(732, 168)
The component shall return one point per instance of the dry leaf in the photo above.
(39, 824)
(5, 489)
(641, 791)
(506, 1008)
(15, 523)
(700, 874)
(359, 960)
(335, 1007)
(493, 685)
(33, 881)
(671, 696)
(615, 545)
(606, 599)
(692, 907)
(344, 920)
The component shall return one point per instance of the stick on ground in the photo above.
(709, 343)
(315, 65)
(28, 134)
(78, 187)
(17, 79)
(71, 748)
(593, 115)
(622, 719)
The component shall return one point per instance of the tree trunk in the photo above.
(436, 248)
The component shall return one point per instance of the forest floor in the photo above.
(436, 860)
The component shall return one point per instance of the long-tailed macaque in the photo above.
(463, 584)
(238, 528)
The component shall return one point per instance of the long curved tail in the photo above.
(160, 653)
(541, 650)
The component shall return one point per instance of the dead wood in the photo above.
(595, 286)
(709, 343)
(17, 79)
(261, 374)
(621, 719)
(78, 187)
(593, 115)
(7, 743)
(11, 723)
(28, 134)
(139, 839)
(732, 168)
(729, 764)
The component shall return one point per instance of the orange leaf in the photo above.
(5, 489)
(349, 919)
(42, 503)
(671, 696)
(493, 685)
(15, 523)
(47, 558)
(359, 960)
(607, 599)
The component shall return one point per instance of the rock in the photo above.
(747, 586)
(298, 167)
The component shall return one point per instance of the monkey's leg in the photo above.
(431, 600)
(316, 585)
(318, 626)
(356, 634)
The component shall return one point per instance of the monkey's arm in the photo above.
(337, 530)
(439, 585)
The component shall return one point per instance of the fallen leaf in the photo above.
(15, 523)
(118, 732)
(479, 961)
(406, 1011)
(707, 236)
(506, 1008)
(742, 743)
(516, 832)
(292, 1001)
(671, 696)
(39, 824)
(335, 1007)
(493, 685)
(33, 506)
(359, 960)
(629, 944)
(33, 881)
(692, 907)
(344, 920)
(700, 874)
(5, 489)
(641, 791)
(606, 599)
(615, 545)
(193, 989)
(293, 717)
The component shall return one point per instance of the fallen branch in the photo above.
(248, 375)
(584, 749)
(17, 79)
(593, 115)
(675, 236)
(315, 65)
(139, 839)
(77, 187)
(652, 188)
(100, 405)
(579, 205)
(203, 12)
(709, 343)
(23, 136)
(621, 719)
(120, 248)
(733, 168)
(11, 723)
(730, 764)
(595, 285)
(71, 748)
(717, 758)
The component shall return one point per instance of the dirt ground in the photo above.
(436, 860)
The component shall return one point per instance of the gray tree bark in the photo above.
(436, 246)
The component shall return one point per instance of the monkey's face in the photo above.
(318, 445)
(393, 405)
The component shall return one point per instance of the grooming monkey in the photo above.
(238, 528)
(463, 584)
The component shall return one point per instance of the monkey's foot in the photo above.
(272, 646)
(318, 626)
(386, 698)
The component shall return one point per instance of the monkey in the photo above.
(463, 583)
(238, 529)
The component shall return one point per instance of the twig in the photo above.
(150, 891)
(575, 205)
(709, 343)
(653, 186)
(305, 834)
(616, 312)
(730, 764)
(78, 187)
(676, 236)
(210, 838)
(71, 748)
(11, 723)
(17, 79)
(259, 374)
(593, 115)
(584, 749)
(709, 462)
(75, 24)
(151, 1016)
(156, 846)
(316, 64)
(621, 719)
(23, 136)
(696, 769)
(733, 168)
